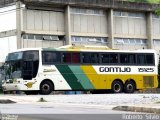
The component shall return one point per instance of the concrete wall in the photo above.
(128, 24)
(41, 43)
(88, 22)
(156, 27)
(8, 18)
(43, 22)
(7, 44)
(40, 22)
(85, 22)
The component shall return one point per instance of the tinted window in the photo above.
(66, 57)
(145, 59)
(150, 59)
(141, 59)
(90, 57)
(124, 58)
(86, 58)
(113, 58)
(132, 58)
(51, 57)
(94, 57)
(127, 58)
(109, 58)
(75, 57)
(105, 58)
(31, 55)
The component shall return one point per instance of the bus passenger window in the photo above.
(113, 58)
(66, 58)
(105, 58)
(127, 59)
(75, 57)
(141, 59)
(149, 59)
(94, 58)
(132, 59)
(124, 58)
(86, 58)
(50, 57)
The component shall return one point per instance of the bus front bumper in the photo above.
(12, 87)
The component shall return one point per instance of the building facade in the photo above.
(52, 23)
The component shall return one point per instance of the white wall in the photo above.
(132, 26)
(156, 28)
(88, 24)
(8, 18)
(41, 43)
(49, 21)
(7, 44)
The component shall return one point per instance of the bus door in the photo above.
(28, 69)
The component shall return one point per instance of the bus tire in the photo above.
(117, 87)
(129, 87)
(46, 88)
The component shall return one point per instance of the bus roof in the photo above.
(87, 49)
(95, 49)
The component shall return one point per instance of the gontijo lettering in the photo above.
(114, 69)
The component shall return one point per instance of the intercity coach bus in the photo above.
(80, 68)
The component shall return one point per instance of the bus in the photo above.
(43, 70)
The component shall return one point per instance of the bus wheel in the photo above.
(46, 88)
(117, 87)
(129, 87)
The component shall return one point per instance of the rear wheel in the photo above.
(46, 88)
(129, 87)
(117, 87)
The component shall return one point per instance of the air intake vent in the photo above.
(148, 81)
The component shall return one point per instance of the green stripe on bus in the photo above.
(69, 77)
(80, 75)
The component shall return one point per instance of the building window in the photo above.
(43, 37)
(78, 39)
(130, 41)
(31, 36)
(39, 37)
(87, 11)
(117, 13)
(154, 16)
(129, 14)
(157, 42)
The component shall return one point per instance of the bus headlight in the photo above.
(3, 81)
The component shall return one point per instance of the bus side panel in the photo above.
(93, 77)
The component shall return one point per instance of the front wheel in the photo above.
(117, 87)
(46, 88)
(129, 87)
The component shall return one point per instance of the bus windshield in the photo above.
(21, 65)
(14, 56)
(13, 69)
